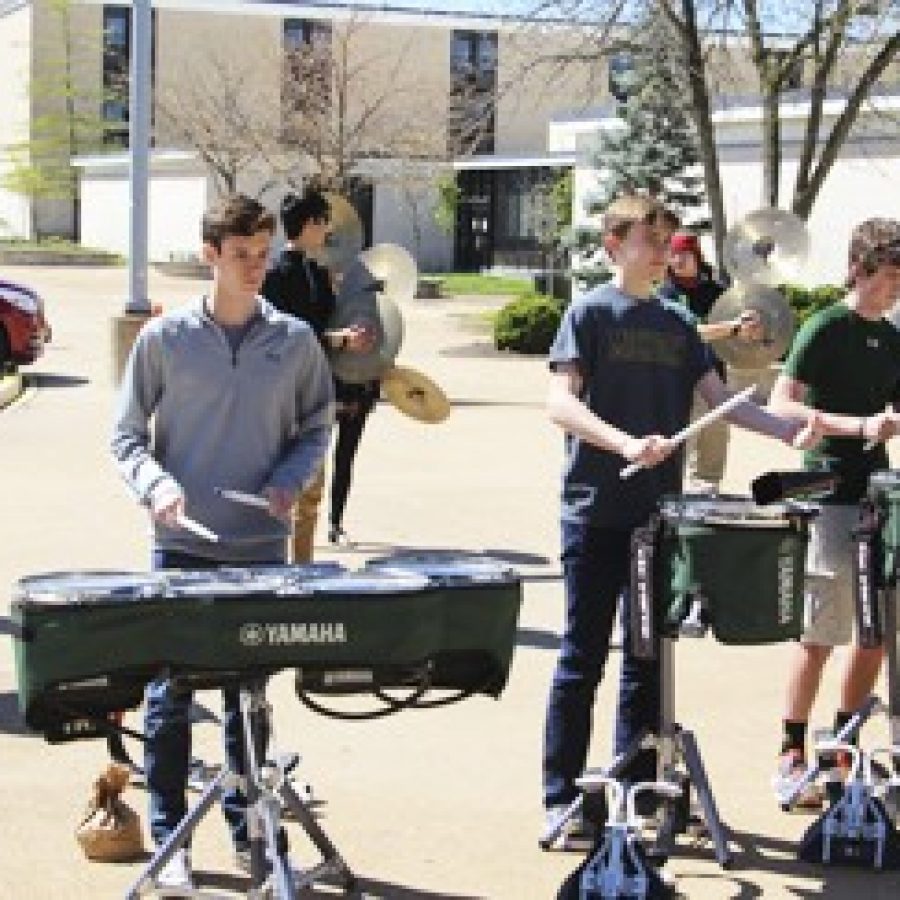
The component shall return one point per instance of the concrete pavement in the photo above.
(428, 804)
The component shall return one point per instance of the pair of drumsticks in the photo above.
(208, 534)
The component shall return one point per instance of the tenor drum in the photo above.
(75, 622)
(884, 492)
(745, 563)
(480, 600)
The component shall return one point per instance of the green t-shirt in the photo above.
(850, 365)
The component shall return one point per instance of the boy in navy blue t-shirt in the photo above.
(624, 367)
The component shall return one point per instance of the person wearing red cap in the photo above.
(691, 282)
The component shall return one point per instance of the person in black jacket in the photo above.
(298, 285)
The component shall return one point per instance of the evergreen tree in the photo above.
(653, 148)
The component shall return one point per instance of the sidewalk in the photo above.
(424, 805)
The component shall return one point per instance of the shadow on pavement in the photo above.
(538, 638)
(369, 888)
(763, 853)
(512, 557)
(11, 721)
(479, 350)
(528, 404)
(372, 889)
(50, 380)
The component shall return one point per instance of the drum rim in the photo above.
(145, 584)
(386, 582)
(676, 510)
(438, 565)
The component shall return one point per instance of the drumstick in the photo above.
(715, 413)
(243, 497)
(198, 529)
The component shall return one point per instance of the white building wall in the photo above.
(393, 219)
(177, 202)
(179, 198)
(864, 181)
(15, 112)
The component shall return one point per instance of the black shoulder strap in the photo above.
(865, 576)
(642, 605)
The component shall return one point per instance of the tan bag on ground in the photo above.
(110, 830)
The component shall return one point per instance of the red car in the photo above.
(23, 326)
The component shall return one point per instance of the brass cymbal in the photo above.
(415, 395)
(395, 268)
(345, 235)
(770, 246)
(378, 313)
(777, 320)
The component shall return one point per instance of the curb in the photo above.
(51, 258)
(10, 388)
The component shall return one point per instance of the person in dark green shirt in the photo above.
(845, 363)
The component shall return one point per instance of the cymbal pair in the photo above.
(765, 249)
(373, 284)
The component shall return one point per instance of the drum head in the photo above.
(80, 587)
(445, 567)
(292, 573)
(373, 583)
(218, 582)
(299, 580)
(886, 480)
(739, 512)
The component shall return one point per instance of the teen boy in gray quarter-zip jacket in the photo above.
(245, 417)
(226, 393)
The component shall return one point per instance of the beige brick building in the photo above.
(414, 97)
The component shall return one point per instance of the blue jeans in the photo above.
(168, 734)
(596, 566)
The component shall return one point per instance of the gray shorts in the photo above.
(828, 617)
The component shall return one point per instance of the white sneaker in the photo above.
(791, 770)
(175, 878)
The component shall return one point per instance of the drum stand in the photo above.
(675, 746)
(272, 876)
(859, 828)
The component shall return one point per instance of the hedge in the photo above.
(528, 324)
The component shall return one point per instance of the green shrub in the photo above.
(528, 324)
(806, 301)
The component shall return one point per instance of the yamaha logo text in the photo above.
(277, 634)
(786, 581)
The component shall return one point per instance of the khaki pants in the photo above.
(706, 451)
(305, 514)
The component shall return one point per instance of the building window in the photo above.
(793, 79)
(621, 75)
(473, 92)
(116, 72)
(306, 86)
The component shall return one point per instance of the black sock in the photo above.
(794, 737)
(840, 721)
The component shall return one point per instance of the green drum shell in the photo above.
(122, 645)
(751, 579)
(884, 488)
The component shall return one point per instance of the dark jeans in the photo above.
(350, 429)
(595, 564)
(168, 732)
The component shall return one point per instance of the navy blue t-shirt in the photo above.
(640, 361)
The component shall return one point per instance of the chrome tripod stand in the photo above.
(266, 785)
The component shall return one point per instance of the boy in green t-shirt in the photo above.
(845, 363)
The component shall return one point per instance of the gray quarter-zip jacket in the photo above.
(194, 414)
